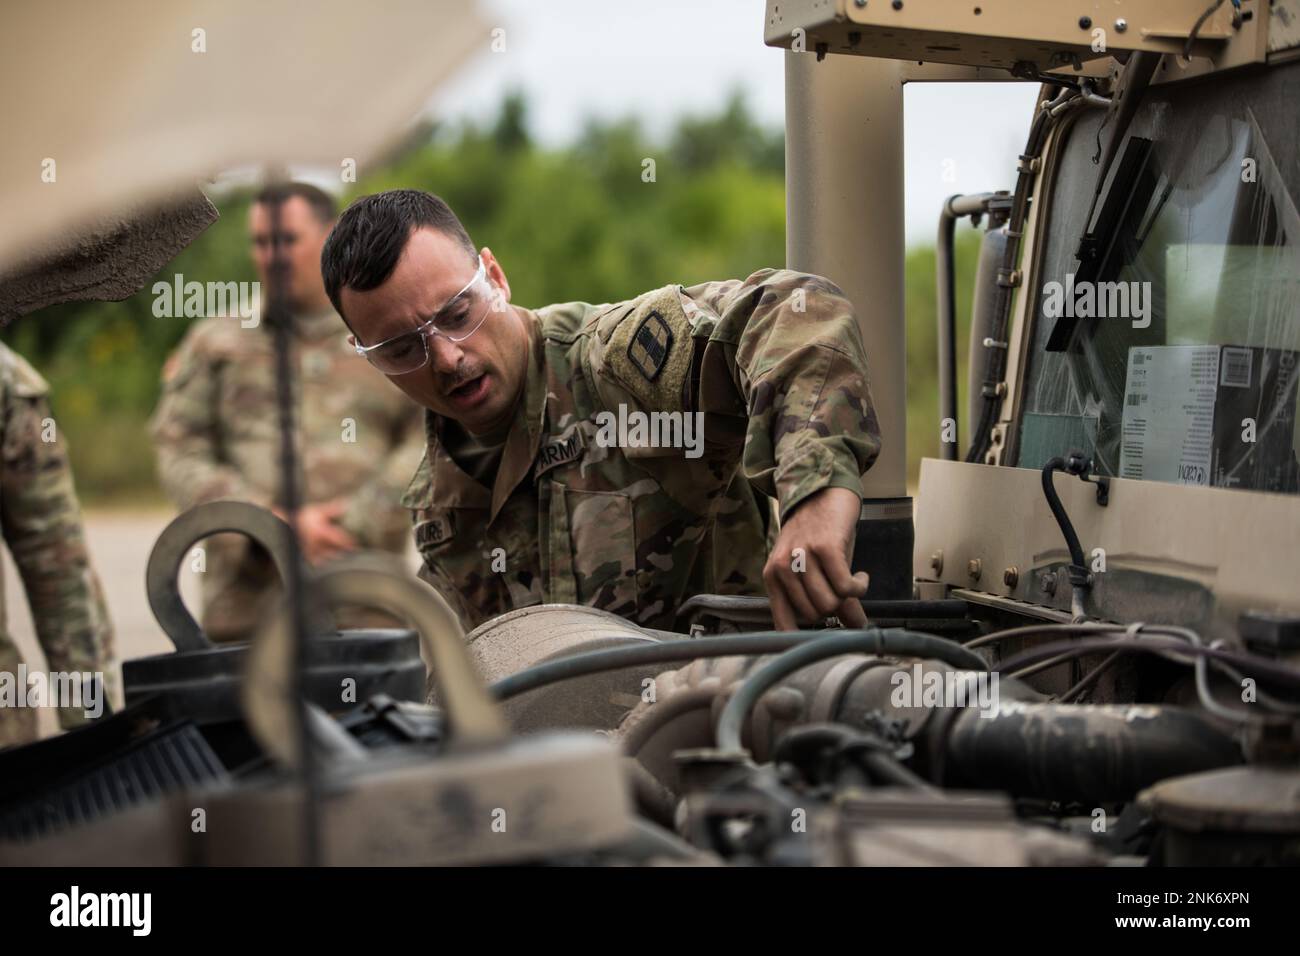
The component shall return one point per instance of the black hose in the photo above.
(872, 641)
(1058, 510)
(1090, 753)
(615, 658)
(740, 606)
(1154, 644)
(886, 768)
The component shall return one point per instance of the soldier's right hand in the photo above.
(808, 575)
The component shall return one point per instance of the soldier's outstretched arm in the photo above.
(185, 432)
(786, 352)
(41, 521)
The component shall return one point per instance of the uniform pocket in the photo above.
(453, 566)
(599, 535)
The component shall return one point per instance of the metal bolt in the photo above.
(1121, 25)
(936, 562)
(1085, 22)
(860, 3)
(973, 568)
(1047, 581)
(897, 4)
(1011, 576)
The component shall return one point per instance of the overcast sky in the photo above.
(657, 60)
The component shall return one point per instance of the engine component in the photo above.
(750, 814)
(529, 636)
(122, 761)
(730, 613)
(205, 684)
(904, 828)
(186, 530)
(1241, 816)
(1010, 741)
(380, 583)
(1089, 753)
(883, 642)
(203, 680)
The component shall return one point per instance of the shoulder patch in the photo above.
(645, 348)
(652, 340)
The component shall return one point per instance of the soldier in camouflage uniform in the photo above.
(522, 498)
(217, 432)
(41, 523)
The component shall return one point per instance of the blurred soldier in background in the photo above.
(41, 524)
(216, 427)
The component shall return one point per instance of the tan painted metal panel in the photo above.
(998, 33)
(1241, 545)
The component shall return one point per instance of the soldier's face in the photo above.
(475, 382)
(304, 237)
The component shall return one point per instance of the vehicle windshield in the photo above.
(1169, 350)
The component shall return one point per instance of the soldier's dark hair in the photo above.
(363, 249)
(321, 202)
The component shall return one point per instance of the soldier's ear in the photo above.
(496, 273)
(352, 340)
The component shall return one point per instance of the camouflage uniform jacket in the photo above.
(41, 522)
(217, 434)
(776, 367)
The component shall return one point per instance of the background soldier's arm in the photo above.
(41, 522)
(374, 515)
(186, 435)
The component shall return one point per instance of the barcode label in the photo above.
(1234, 370)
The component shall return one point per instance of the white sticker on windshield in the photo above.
(1168, 429)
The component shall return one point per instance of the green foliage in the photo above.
(573, 223)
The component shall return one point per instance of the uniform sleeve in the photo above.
(375, 515)
(786, 353)
(185, 432)
(41, 521)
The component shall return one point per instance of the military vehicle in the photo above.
(1085, 629)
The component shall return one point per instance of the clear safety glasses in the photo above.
(456, 321)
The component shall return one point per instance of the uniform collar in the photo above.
(526, 432)
(452, 487)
